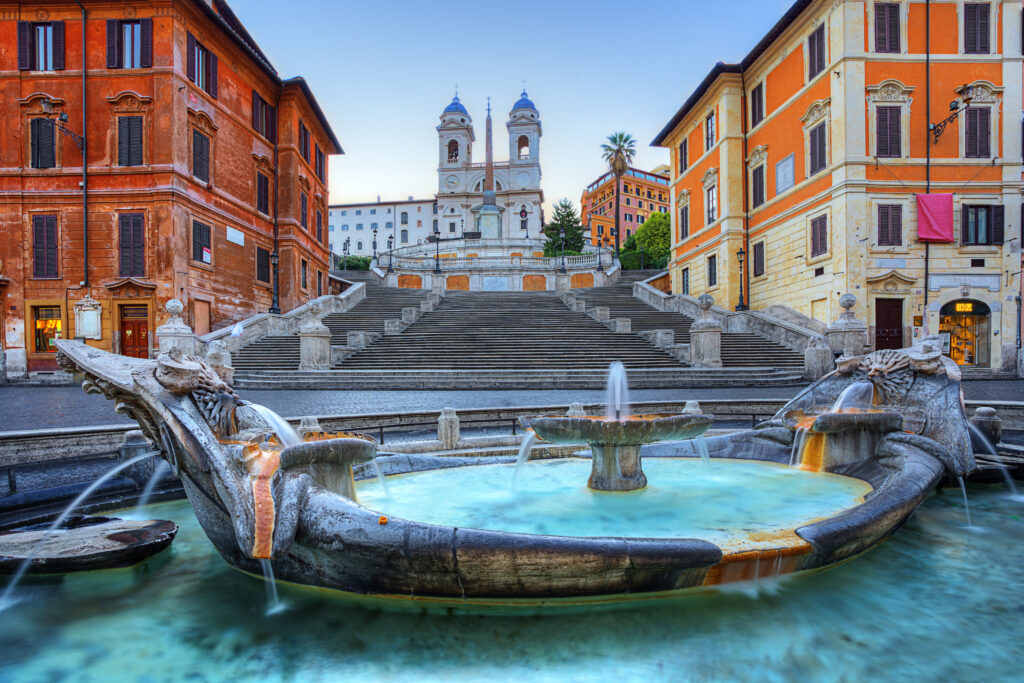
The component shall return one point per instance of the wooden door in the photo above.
(888, 324)
(201, 309)
(135, 331)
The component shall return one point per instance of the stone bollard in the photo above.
(434, 298)
(356, 340)
(599, 313)
(579, 306)
(426, 306)
(691, 408)
(133, 445)
(705, 337)
(392, 327)
(988, 425)
(314, 342)
(847, 334)
(448, 428)
(219, 359)
(663, 339)
(622, 325)
(309, 425)
(410, 313)
(576, 410)
(339, 353)
(175, 334)
(818, 359)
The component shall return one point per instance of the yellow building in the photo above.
(810, 154)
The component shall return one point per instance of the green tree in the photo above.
(653, 238)
(618, 152)
(566, 219)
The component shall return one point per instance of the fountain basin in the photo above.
(83, 543)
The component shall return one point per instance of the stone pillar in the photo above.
(448, 428)
(705, 337)
(818, 359)
(576, 410)
(392, 327)
(622, 325)
(426, 306)
(309, 425)
(175, 334)
(599, 313)
(692, 408)
(218, 358)
(579, 306)
(133, 445)
(847, 334)
(356, 340)
(989, 425)
(409, 314)
(314, 342)
(663, 338)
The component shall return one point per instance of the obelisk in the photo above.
(490, 214)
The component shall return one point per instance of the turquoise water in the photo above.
(936, 602)
(721, 501)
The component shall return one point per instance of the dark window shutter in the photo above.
(812, 55)
(998, 224)
(984, 133)
(200, 239)
(896, 224)
(113, 44)
(123, 133)
(43, 151)
(983, 14)
(758, 185)
(24, 45)
(213, 74)
(134, 140)
(883, 225)
(970, 28)
(34, 142)
(895, 141)
(965, 212)
(38, 246)
(882, 132)
(190, 58)
(971, 137)
(894, 28)
(125, 236)
(58, 45)
(257, 113)
(146, 47)
(138, 246)
(759, 258)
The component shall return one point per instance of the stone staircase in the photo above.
(380, 304)
(738, 349)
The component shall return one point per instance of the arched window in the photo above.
(405, 218)
(359, 246)
(524, 147)
(453, 151)
(405, 237)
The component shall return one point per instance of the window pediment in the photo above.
(818, 111)
(757, 156)
(709, 178)
(128, 102)
(890, 90)
(201, 121)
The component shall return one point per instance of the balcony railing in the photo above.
(554, 263)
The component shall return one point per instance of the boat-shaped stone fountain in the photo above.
(453, 533)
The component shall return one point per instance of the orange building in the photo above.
(642, 193)
(810, 155)
(205, 176)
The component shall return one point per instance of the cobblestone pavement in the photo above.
(50, 407)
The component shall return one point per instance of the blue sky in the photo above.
(383, 70)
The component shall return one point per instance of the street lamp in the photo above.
(740, 255)
(391, 255)
(437, 250)
(966, 94)
(374, 245)
(561, 235)
(275, 303)
(600, 246)
(615, 234)
(344, 252)
(641, 258)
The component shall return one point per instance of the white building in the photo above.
(460, 181)
(405, 222)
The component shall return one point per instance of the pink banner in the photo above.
(935, 217)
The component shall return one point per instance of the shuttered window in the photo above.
(201, 65)
(132, 244)
(981, 224)
(319, 283)
(686, 280)
(888, 131)
(40, 46)
(321, 164)
(709, 131)
(129, 140)
(711, 200)
(262, 265)
(890, 225)
(684, 161)
(129, 44)
(757, 105)
(757, 186)
(262, 193)
(319, 227)
(305, 269)
(303, 209)
(819, 235)
(264, 117)
(44, 149)
(44, 246)
(976, 28)
(202, 249)
(887, 27)
(304, 141)
(712, 271)
(816, 56)
(684, 222)
(759, 259)
(818, 148)
(200, 156)
(979, 133)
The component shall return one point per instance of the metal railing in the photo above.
(584, 261)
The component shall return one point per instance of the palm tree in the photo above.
(618, 152)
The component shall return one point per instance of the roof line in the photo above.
(791, 15)
(317, 111)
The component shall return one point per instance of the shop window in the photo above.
(965, 327)
(46, 328)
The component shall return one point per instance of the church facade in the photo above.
(461, 182)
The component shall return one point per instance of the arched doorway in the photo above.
(966, 324)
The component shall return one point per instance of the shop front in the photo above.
(965, 326)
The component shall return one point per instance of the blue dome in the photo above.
(455, 107)
(524, 103)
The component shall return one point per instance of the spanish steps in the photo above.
(505, 339)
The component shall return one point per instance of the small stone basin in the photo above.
(615, 444)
